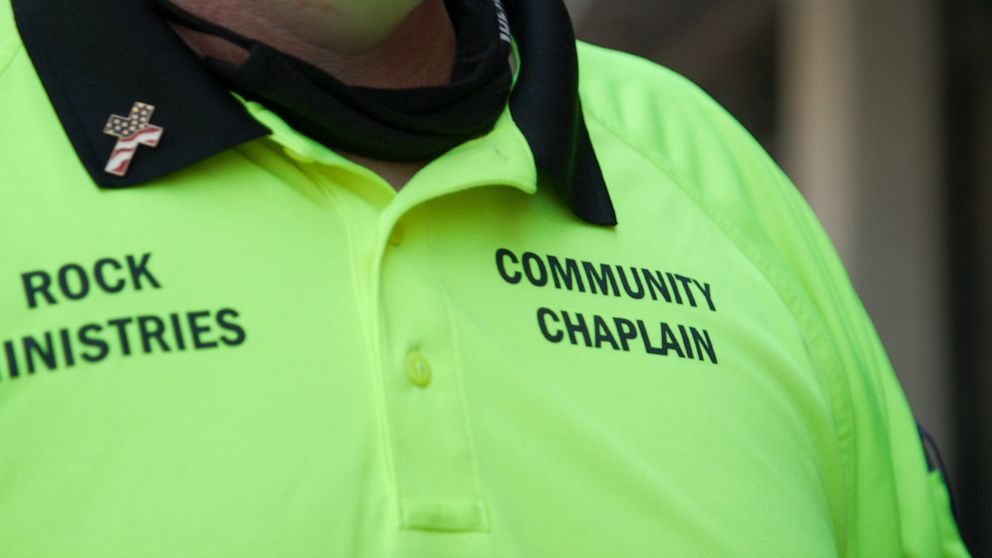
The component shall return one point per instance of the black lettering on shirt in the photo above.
(225, 319)
(86, 337)
(77, 288)
(68, 355)
(152, 328)
(12, 368)
(93, 343)
(75, 282)
(121, 325)
(534, 268)
(198, 330)
(626, 331)
(637, 293)
(565, 277)
(704, 343)
(656, 285)
(707, 292)
(543, 315)
(501, 256)
(140, 270)
(100, 276)
(177, 331)
(603, 279)
(576, 327)
(42, 350)
(603, 333)
(35, 283)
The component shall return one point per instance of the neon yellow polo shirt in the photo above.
(272, 353)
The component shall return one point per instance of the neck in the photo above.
(399, 46)
(392, 44)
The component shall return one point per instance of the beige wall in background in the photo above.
(862, 136)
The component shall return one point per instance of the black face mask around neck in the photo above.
(413, 124)
(422, 123)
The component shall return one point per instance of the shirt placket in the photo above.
(415, 359)
(428, 426)
(421, 378)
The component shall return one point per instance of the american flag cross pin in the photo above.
(131, 132)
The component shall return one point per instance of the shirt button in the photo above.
(418, 369)
(396, 236)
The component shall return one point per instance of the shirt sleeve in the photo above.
(893, 505)
(896, 505)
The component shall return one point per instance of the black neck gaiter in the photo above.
(422, 123)
(388, 124)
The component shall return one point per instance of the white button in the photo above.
(418, 369)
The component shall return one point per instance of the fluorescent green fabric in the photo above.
(297, 361)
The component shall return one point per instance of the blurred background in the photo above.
(881, 112)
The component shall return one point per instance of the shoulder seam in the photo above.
(6, 61)
(835, 383)
(10, 39)
(726, 228)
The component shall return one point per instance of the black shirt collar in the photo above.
(99, 57)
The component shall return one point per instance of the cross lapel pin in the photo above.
(131, 132)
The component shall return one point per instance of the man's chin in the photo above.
(357, 25)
